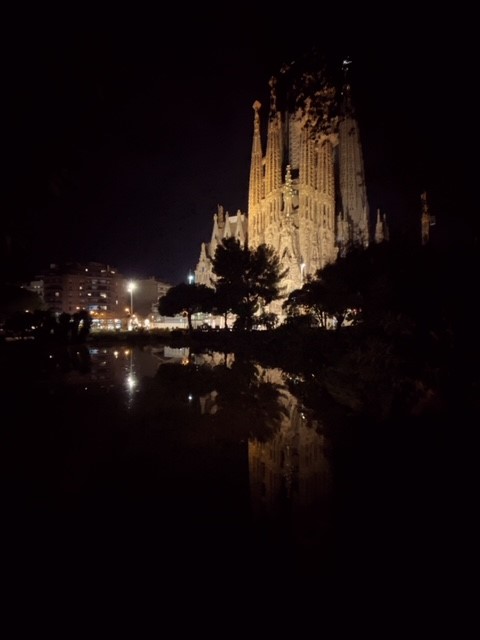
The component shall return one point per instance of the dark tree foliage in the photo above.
(81, 323)
(15, 300)
(187, 299)
(224, 301)
(247, 280)
(44, 326)
(334, 292)
(415, 349)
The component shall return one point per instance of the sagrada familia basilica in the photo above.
(307, 194)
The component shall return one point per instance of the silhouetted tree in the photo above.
(64, 327)
(329, 294)
(246, 279)
(412, 353)
(187, 299)
(15, 300)
(81, 323)
(223, 302)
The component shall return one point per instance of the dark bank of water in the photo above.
(130, 467)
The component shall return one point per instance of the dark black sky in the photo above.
(125, 130)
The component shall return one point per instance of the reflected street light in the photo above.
(130, 288)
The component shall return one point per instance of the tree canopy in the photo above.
(246, 279)
(187, 299)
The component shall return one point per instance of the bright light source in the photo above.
(130, 288)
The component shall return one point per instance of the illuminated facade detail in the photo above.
(307, 194)
(224, 226)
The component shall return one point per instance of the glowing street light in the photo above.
(131, 286)
(191, 277)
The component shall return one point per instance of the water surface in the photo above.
(127, 465)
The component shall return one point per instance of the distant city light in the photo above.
(130, 288)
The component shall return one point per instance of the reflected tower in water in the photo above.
(289, 471)
(290, 474)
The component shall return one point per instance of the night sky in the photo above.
(125, 130)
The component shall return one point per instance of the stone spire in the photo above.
(273, 155)
(288, 192)
(427, 219)
(381, 228)
(353, 192)
(346, 106)
(255, 191)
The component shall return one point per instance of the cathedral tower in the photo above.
(307, 196)
(351, 174)
(292, 201)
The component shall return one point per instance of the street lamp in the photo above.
(130, 288)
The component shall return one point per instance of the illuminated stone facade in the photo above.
(224, 226)
(307, 194)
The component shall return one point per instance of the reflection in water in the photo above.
(188, 466)
(290, 477)
(131, 380)
(289, 473)
(113, 369)
(213, 401)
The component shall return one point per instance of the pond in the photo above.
(135, 465)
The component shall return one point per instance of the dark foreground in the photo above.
(109, 516)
